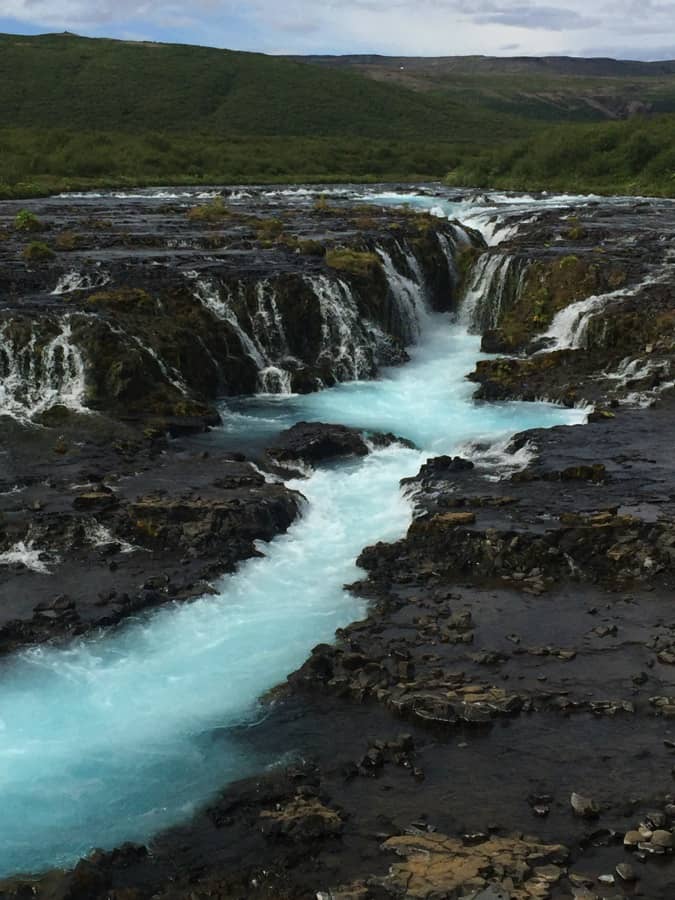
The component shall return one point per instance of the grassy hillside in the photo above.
(77, 112)
(633, 157)
(539, 89)
(64, 81)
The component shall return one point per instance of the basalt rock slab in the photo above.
(313, 442)
(89, 555)
(437, 865)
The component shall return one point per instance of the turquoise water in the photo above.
(118, 737)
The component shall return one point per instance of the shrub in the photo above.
(212, 211)
(355, 262)
(311, 248)
(67, 240)
(27, 221)
(268, 229)
(307, 247)
(36, 251)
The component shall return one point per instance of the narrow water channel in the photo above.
(115, 738)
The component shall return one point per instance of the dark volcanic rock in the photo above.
(312, 442)
(315, 441)
(127, 543)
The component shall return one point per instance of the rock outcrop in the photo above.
(312, 442)
(150, 313)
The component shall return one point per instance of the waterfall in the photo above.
(493, 227)
(630, 370)
(346, 346)
(413, 265)
(448, 247)
(408, 296)
(26, 554)
(350, 346)
(462, 239)
(267, 344)
(80, 281)
(273, 380)
(569, 327)
(210, 296)
(484, 297)
(172, 375)
(35, 376)
(268, 323)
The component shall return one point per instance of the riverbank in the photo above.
(515, 639)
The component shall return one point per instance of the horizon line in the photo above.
(338, 55)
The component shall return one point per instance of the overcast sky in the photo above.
(638, 29)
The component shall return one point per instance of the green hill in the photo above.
(79, 112)
(65, 81)
(546, 89)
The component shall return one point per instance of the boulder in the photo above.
(584, 807)
(313, 442)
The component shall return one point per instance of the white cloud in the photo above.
(411, 27)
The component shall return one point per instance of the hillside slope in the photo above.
(557, 88)
(79, 112)
(65, 81)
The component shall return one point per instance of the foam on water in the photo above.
(28, 555)
(496, 216)
(35, 376)
(80, 281)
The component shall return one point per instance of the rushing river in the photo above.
(118, 737)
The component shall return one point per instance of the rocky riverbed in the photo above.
(498, 726)
(124, 321)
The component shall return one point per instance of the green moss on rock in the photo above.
(357, 262)
(126, 299)
(214, 211)
(27, 222)
(549, 287)
(37, 251)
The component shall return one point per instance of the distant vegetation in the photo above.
(633, 157)
(54, 81)
(37, 161)
(77, 114)
(543, 89)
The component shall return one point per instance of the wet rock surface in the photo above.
(501, 723)
(109, 536)
(581, 307)
(312, 442)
